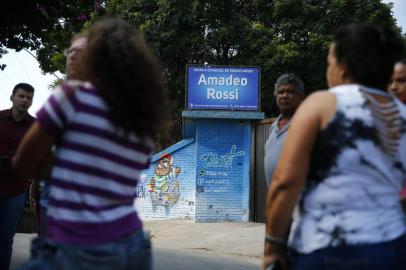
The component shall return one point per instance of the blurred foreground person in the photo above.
(104, 130)
(343, 165)
(397, 87)
(73, 59)
(74, 56)
(397, 84)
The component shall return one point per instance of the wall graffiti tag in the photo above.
(212, 159)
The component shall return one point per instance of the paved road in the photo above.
(183, 244)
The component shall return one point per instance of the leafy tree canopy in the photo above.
(44, 25)
(277, 35)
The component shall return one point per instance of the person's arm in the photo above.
(33, 152)
(291, 171)
(403, 199)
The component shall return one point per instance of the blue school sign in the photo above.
(223, 88)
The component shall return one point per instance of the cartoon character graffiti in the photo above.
(164, 185)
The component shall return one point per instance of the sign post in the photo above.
(206, 176)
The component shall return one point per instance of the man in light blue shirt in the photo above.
(289, 93)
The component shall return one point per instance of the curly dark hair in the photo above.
(369, 53)
(128, 77)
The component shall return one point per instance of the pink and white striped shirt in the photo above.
(92, 187)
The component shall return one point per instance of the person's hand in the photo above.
(277, 254)
(278, 261)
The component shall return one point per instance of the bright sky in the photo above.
(22, 67)
(399, 11)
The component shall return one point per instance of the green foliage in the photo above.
(44, 25)
(277, 35)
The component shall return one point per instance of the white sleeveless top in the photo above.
(358, 168)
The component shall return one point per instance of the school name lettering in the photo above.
(230, 80)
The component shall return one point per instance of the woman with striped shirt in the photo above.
(104, 127)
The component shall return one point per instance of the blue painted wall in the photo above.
(222, 170)
(206, 176)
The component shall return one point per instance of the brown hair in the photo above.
(128, 77)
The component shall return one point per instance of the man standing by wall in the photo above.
(14, 123)
(289, 93)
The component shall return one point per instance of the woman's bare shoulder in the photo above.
(318, 101)
(322, 103)
(321, 95)
(319, 106)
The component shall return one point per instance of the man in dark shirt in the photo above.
(14, 123)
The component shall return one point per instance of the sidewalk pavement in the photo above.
(184, 244)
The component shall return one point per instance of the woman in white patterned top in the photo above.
(343, 165)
